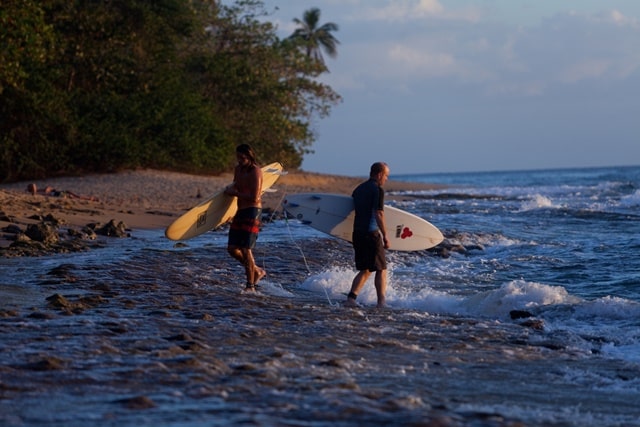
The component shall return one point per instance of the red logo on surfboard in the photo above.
(406, 232)
(403, 232)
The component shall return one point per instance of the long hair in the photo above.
(247, 151)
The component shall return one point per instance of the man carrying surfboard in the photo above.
(370, 234)
(243, 233)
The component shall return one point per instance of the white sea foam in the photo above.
(537, 201)
(335, 283)
(632, 200)
(626, 351)
(609, 308)
(425, 299)
(516, 295)
(275, 289)
(561, 311)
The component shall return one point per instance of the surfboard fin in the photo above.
(276, 171)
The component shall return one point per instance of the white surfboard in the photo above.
(216, 210)
(334, 213)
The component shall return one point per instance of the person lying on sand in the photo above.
(50, 191)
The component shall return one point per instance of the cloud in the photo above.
(586, 69)
(618, 18)
(565, 49)
(514, 88)
(584, 48)
(412, 10)
(401, 10)
(420, 61)
(418, 44)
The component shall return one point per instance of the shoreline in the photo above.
(147, 198)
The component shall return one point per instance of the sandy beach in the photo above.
(146, 199)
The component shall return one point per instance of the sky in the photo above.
(432, 86)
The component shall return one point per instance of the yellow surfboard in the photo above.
(216, 210)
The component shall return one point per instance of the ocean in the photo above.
(149, 332)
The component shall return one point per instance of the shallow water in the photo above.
(152, 333)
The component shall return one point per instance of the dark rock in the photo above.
(84, 234)
(180, 337)
(23, 245)
(62, 271)
(533, 324)
(8, 313)
(519, 314)
(92, 300)
(6, 218)
(43, 232)
(58, 301)
(111, 229)
(75, 245)
(44, 238)
(47, 364)
(12, 228)
(138, 402)
(40, 315)
(336, 363)
(73, 307)
(49, 218)
(22, 238)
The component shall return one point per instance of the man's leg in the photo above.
(356, 287)
(381, 287)
(249, 266)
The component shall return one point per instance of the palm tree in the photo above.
(313, 38)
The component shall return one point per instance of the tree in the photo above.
(121, 62)
(262, 89)
(25, 38)
(313, 38)
(171, 84)
(30, 110)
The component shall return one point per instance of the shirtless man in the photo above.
(246, 186)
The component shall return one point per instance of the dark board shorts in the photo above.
(245, 228)
(369, 251)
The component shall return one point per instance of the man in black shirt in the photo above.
(370, 234)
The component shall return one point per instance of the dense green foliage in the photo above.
(105, 85)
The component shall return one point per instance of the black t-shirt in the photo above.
(368, 197)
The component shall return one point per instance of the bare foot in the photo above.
(258, 275)
(350, 303)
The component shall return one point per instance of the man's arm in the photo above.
(254, 185)
(382, 227)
